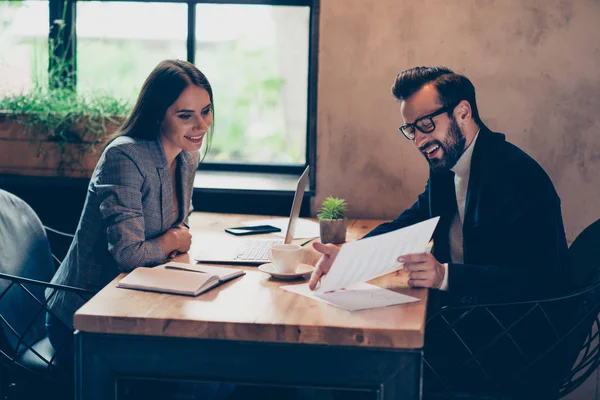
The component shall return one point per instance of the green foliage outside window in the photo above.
(250, 108)
(56, 113)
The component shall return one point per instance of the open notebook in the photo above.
(178, 278)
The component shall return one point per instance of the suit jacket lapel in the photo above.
(443, 204)
(166, 196)
(166, 191)
(475, 183)
(187, 170)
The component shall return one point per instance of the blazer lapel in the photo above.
(443, 204)
(166, 190)
(166, 196)
(442, 196)
(473, 191)
(187, 171)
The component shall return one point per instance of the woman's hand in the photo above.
(172, 255)
(184, 239)
(175, 240)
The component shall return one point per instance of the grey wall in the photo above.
(535, 65)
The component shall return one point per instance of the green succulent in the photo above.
(333, 208)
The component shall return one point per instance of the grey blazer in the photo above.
(128, 205)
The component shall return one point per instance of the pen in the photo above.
(186, 225)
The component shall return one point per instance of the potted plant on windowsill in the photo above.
(52, 129)
(55, 131)
(332, 220)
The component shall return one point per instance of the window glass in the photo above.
(23, 46)
(119, 43)
(256, 58)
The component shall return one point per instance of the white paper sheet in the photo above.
(305, 229)
(358, 297)
(365, 259)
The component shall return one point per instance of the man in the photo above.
(500, 234)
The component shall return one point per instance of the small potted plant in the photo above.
(332, 220)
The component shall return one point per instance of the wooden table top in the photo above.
(254, 308)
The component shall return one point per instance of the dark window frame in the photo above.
(66, 10)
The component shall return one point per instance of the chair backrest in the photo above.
(24, 252)
(521, 348)
(584, 256)
(584, 266)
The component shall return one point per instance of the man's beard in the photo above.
(452, 148)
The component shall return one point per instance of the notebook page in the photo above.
(222, 273)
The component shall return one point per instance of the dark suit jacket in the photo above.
(514, 240)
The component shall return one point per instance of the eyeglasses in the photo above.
(424, 124)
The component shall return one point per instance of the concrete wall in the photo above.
(536, 68)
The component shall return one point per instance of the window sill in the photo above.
(247, 193)
(59, 200)
(247, 183)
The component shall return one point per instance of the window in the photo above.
(256, 57)
(260, 56)
(118, 44)
(23, 46)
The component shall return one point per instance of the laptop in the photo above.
(254, 251)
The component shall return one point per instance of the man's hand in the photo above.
(424, 270)
(329, 253)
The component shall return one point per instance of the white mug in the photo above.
(285, 257)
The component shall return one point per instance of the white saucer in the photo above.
(301, 269)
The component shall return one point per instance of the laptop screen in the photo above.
(289, 234)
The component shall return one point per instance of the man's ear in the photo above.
(462, 112)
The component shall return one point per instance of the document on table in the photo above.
(305, 229)
(357, 262)
(361, 296)
(365, 259)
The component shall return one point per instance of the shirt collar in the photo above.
(463, 165)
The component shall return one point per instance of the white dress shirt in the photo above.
(462, 170)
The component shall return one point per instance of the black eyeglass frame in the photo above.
(414, 125)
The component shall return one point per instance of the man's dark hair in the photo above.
(451, 87)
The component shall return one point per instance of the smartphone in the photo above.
(252, 230)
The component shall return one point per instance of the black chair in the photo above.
(28, 362)
(541, 349)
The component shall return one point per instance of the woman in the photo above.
(139, 196)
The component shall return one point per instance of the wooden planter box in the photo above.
(24, 154)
